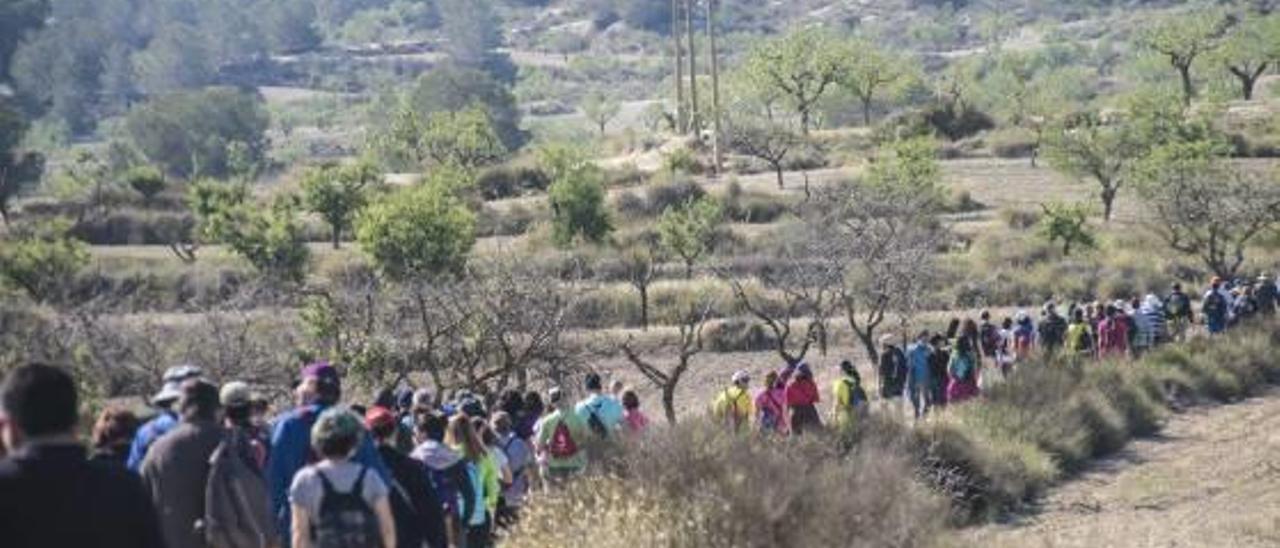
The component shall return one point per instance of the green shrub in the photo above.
(42, 260)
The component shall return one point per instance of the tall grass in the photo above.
(887, 483)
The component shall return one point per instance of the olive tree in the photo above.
(426, 231)
(801, 66)
(337, 192)
(1249, 50)
(1182, 40)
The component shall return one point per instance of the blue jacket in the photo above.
(291, 452)
(147, 435)
(918, 370)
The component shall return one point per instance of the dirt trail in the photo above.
(1212, 479)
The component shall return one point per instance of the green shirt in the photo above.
(578, 431)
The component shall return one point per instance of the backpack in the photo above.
(345, 520)
(857, 396)
(991, 340)
(769, 415)
(593, 420)
(732, 416)
(963, 367)
(1178, 305)
(1215, 304)
(562, 445)
(237, 513)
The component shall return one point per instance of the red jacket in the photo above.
(802, 392)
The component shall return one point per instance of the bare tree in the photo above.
(765, 140)
(800, 292)
(640, 260)
(690, 344)
(880, 242)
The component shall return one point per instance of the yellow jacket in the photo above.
(733, 406)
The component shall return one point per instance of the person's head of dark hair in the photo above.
(114, 429)
(1177, 286)
(239, 414)
(923, 335)
(938, 340)
(1111, 310)
(1007, 323)
(486, 435)
(383, 431)
(964, 345)
(1077, 315)
(40, 400)
(630, 400)
(533, 403)
(385, 398)
(512, 402)
(430, 424)
(501, 423)
(985, 315)
(359, 409)
(199, 400)
(969, 328)
(593, 383)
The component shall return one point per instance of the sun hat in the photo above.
(741, 377)
(320, 371)
(173, 379)
(235, 394)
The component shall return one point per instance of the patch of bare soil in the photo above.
(1211, 478)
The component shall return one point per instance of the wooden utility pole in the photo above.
(715, 86)
(680, 121)
(694, 122)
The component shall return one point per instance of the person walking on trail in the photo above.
(446, 471)
(633, 418)
(1178, 311)
(848, 399)
(989, 339)
(167, 418)
(1024, 336)
(521, 463)
(292, 447)
(51, 496)
(1113, 333)
(802, 402)
(560, 438)
(112, 435)
(1266, 296)
(1079, 340)
(1005, 355)
(893, 369)
(1155, 322)
(601, 412)
(176, 470)
(1215, 307)
(1053, 329)
(771, 405)
(732, 406)
(237, 511)
(939, 363)
(416, 508)
(338, 501)
(463, 438)
(963, 372)
(920, 375)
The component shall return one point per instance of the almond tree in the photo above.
(667, 378)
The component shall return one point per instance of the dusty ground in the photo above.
(1212, 479)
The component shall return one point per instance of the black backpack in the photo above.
(597, 425)
(345, 520)
(1215, 304)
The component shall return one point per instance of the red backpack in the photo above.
(562, 445)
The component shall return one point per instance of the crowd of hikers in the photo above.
(212, 468)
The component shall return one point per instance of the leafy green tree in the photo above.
(909, 168)
(147, 181)
(42, 260)
(600, 109)
(689, 231)
(1183, 39)
(1205, 207)
(18, 169)
(800, 66)
(453, 89)
(871, 72)
(464, 138)
(424, 231)
(578, 204)
(271, 240)
(176, 59)
(474, 34)
(1093, 148)
(290, 25)
(214, 205)
(337, 192)
(640, 259)
(1068, 223)
(1250, 49)
(190, 133)
(18, 18)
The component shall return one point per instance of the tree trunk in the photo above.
(1108, 203)
(804, 121)
(715, 86)
(777, 168)
(669, 401)
(337, 237)
(1246, 84)
(644, 306)
(688, 269)
(694, 121)
(681, 120)
(1188, 86)
(866, 111)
